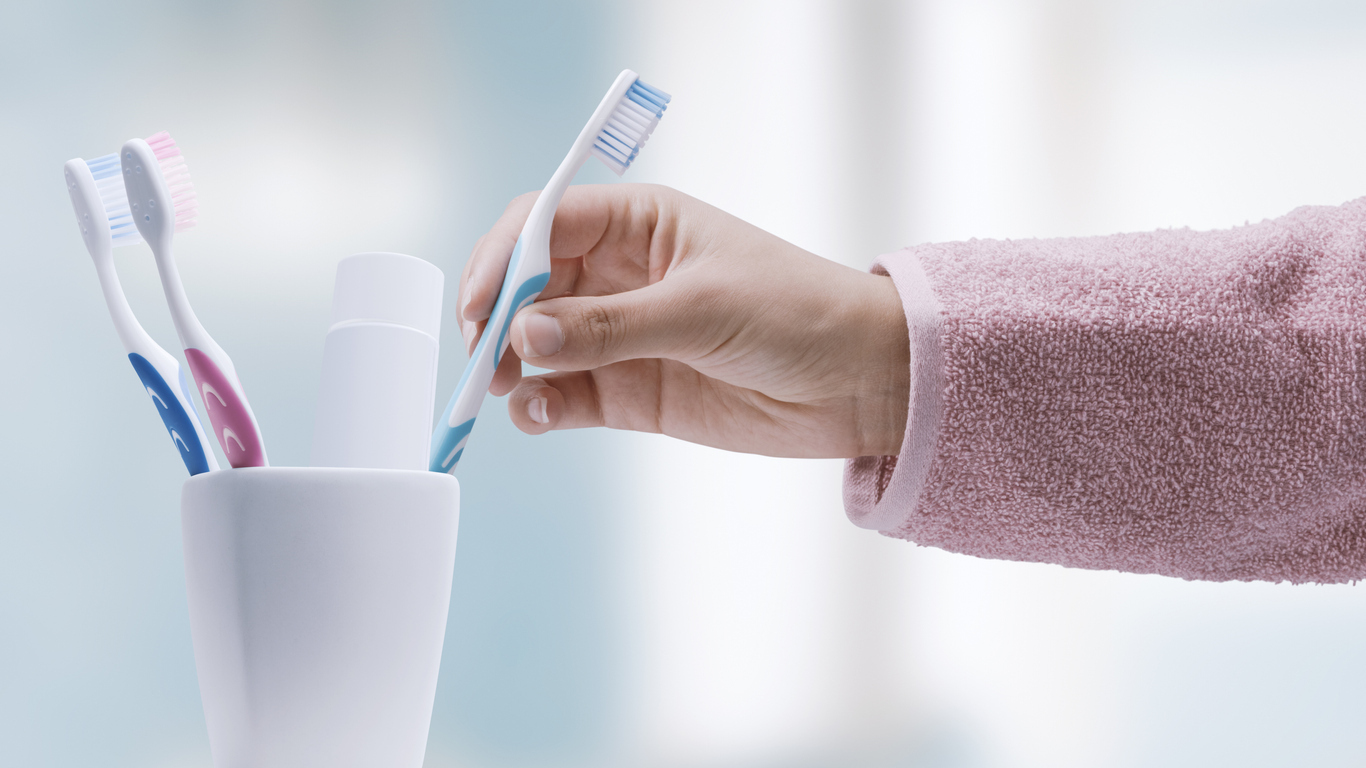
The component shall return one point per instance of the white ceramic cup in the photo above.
(318, 600)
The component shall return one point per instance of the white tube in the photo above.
(379, 364)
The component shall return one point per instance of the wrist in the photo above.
(884, 387)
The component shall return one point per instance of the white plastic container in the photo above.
(318, 601)
(378, 390)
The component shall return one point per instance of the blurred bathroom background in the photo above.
(622, 599)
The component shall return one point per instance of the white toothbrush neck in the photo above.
(187, 325)
(130, 331)
(536, 231)
(468, 401)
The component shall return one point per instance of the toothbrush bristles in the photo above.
(629, 125)
(177, 178)
(114, 198)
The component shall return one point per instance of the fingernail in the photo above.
(464, 300)
(535, 408)
(541, 335)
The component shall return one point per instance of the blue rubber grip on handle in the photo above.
(446, 453)
(179, 423)
(449, 439)
(526, 293)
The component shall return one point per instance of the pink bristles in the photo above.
(177, 178)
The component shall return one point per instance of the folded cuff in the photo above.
(883, 492)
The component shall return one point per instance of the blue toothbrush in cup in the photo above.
(102, 213)
(614, 134)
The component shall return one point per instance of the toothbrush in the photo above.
(102, 213)
(614, 134)
(162, 202)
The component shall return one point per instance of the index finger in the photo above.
(586, 218)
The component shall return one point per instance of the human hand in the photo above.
(664, 314)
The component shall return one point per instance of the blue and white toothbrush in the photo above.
(614, 134)
(97, 194)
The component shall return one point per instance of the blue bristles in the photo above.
(629, 125)
(108, 175)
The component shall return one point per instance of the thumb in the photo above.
(581, 333)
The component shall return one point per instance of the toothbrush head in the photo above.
(161, 197)
(177, 178)
(101, 203)
(632, 120)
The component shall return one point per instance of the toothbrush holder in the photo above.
(318, 601)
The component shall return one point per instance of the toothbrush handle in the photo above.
(456, 423)
(454, 427)
(448, 444)
(176, 411)
(233, 424)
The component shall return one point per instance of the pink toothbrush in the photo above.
(162, 201)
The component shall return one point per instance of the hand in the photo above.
(664, 314)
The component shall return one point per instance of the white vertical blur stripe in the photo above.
(753, 125)
(734, 607)
(975, 114)
(744, 586)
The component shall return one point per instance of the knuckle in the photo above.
(708, 297)
(658, 191)
(602, 328)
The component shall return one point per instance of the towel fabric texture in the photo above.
(1183, 403)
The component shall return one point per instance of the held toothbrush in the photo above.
(162, 201)
(614, 134)
(102, 213)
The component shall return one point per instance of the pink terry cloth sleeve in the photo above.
(1183, 403)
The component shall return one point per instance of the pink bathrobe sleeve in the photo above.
(1183, 403)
